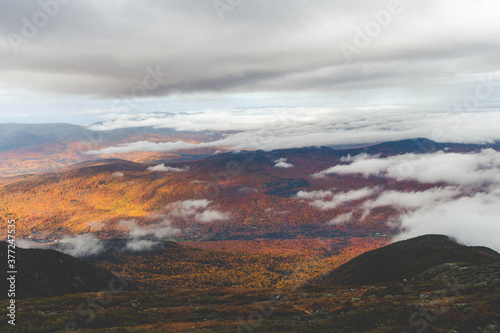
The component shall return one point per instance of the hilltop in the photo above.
(46, 273)
(408, 259)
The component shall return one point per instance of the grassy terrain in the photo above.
(377, 308)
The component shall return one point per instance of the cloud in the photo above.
(314, 195)
(468, 169)
(117, 174)
(281, 163)
(471, 220)
(146, 146)
(466, 206)
(28, 244)
(91, 50)
(211, 215)
(187, 208)
(325, 200)
(84, 63)
(159, 231)
(341, 219)
(294, 127)
(197, 210)
(163, 168)
(412, 200)
(81, 245)
(139, 245)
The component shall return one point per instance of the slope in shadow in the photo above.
(44, 273)
(405, 260)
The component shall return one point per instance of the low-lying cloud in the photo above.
(282, 163)
(159, 231)
(81, 245)
(196, 210)
(291, 127)
(412, 200)
(471, 220)
(325, 200)
(468, 169)
(465, 205)
(163, 168)
(341, 219)
(139, 245)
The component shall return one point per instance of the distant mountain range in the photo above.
(16, 136)
(26, 148)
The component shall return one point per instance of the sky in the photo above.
(84, 62)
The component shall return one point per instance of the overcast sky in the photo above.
(88, 61)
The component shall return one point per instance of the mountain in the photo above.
(16, 136)
(27, 148)
(253, 195)
(234, 289)
(45, 273)
(406, 259)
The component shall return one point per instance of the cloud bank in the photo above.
(270, 129)
(89, 49)
(325, 200)
(470, 169)
(465, 206)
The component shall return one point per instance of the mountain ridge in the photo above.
(405, 259)
(46, 273)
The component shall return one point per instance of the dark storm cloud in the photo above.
(109, 48)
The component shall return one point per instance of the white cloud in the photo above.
(187, 208)
(468, 208)
(139, 245)
(325, 200)
(411, 200)
(298, 127)
(146, 146)
(117, 174)
(453, 168)
(197, 210)
(472, 220)
(159, 230)
(342, 218)
(211, 215)
(282, 163)
(28, 244)
(314, 195)
(81, 245)
(163, 168)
